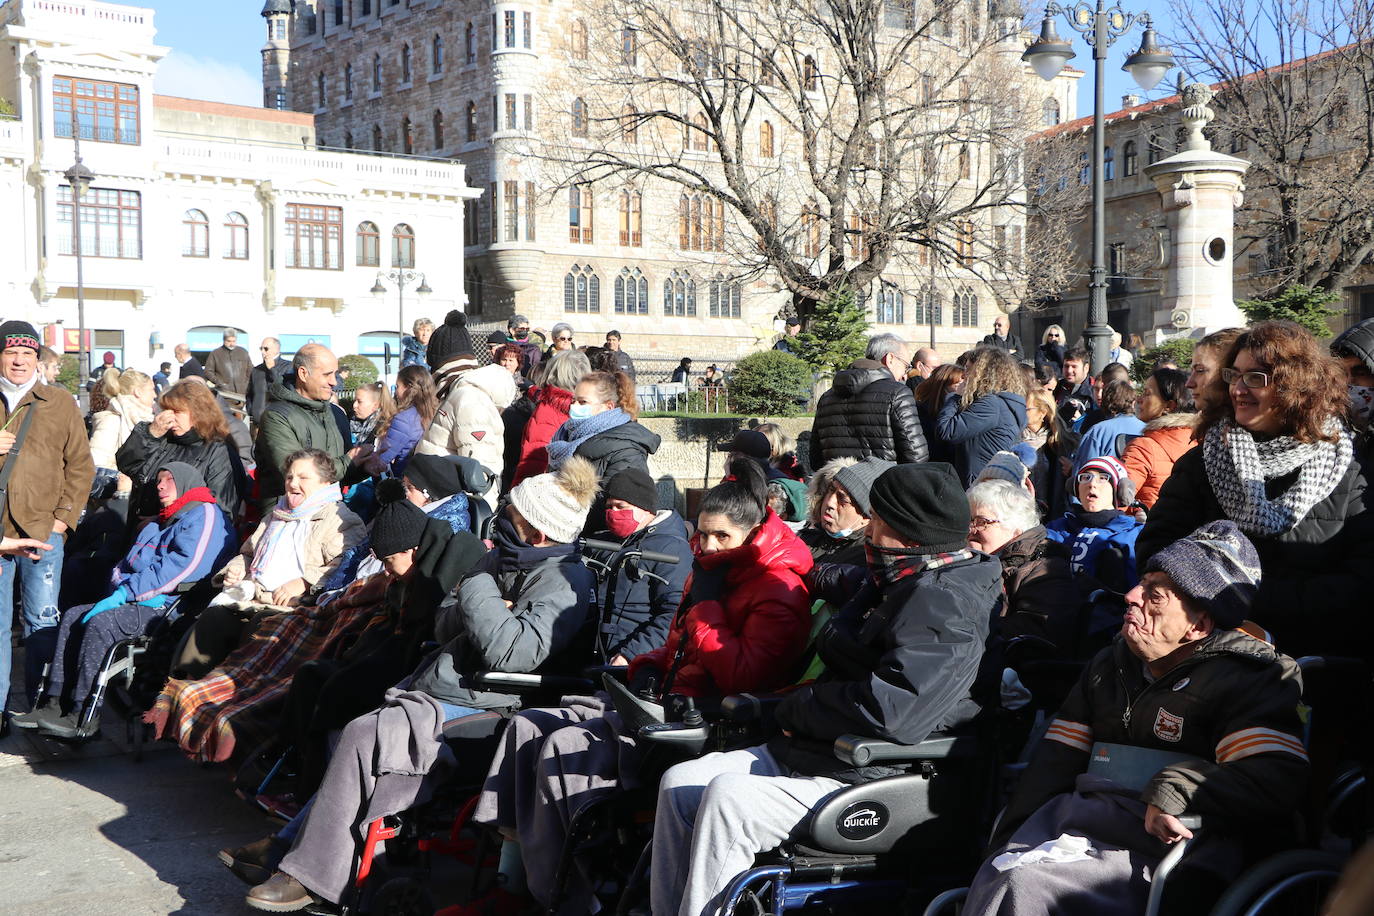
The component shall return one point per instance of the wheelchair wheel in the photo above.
(402, 897)
(1292, 883)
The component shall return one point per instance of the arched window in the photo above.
(724, 298)
(348, 82)
(580, 214)
(702, 141)
(965, 309)
(407, 137)
(1155, 149)
(197, 234)
(473, 289)
(1109, 164)
(236, 236)
(811, 74)
(766, 149)
(438, 124)
(629, 46)
(376, 73)
(470, 43)
(436, 54)
(581, 289)
(369, 245)
(629, 125)
(1049, 112)
(405, 64)
(1085, 169)
(402, 246)
(680, 295)
(1130, 159)
(579, 117)
(471, 122)
(631, 218)
(577, 40)
(811, 231)
(965, 162)
(963, 243)
(891, 307)
(631, 292)
(376, 138)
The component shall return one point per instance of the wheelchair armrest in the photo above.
(1191, 821)
(593, 673)
(689, 740)
(1334, 663)
(750, 707)
(525, 682)
(860, 752)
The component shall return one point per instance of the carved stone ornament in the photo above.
(1196, 115)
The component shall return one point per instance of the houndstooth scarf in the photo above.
(1238, 466)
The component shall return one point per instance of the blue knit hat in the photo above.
(1217, 567)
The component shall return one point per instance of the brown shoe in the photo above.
(255, 863)
(280, 894)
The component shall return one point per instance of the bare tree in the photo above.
(1295, 79)
(822, 143)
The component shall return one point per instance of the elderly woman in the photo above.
(1186, 713)
(1278, 458)
(295, 548)
(1041, 597)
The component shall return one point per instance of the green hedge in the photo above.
(770, 383)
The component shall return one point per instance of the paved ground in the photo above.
(91, 832)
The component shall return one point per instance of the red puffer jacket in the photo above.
(749, 634)
(550, 412)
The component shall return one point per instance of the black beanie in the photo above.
(437, 476)
(636, 487)
(925, 504)
(396, 528)
(449, 340)
(19, 334)
(498, 338)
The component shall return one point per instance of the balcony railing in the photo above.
(98, 133)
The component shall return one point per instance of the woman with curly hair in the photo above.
(1278, 458)
(984, 414)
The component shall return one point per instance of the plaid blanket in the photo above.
(237, 704)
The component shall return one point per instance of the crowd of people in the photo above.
(343, 574)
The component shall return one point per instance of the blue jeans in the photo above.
(39, 582)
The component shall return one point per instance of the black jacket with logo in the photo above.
(1233, 705)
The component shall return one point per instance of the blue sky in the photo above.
(215, 49)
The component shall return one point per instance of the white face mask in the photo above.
(841, 534)
(1361, 402)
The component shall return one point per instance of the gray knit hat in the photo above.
(1006, 466)
(858, 479)
(1217, 567)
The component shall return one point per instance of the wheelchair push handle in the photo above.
(613, 547)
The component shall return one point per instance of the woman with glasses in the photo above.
(562, 339)
(1100, 530)
(1278, 458)
(1049, 356)
(985, 413)
(1040, 595)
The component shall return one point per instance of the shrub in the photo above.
(363, 370)
(1304, 305)
(68, 375)
(770, 383)
(1180, 350)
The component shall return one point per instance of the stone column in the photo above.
(1199, 191)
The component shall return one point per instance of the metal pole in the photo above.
(83, 356)
(1098, 334)
(400, 306)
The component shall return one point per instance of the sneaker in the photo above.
(255, 863)
(280, 894)
(45, 711)
(68, 727)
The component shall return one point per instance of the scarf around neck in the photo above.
(570, 436)
(15, 393)
(1238, 466)
(193, 495)
(280, 554)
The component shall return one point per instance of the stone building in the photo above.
(201, 215)
(494, 83)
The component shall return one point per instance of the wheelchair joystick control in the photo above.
(691, 716)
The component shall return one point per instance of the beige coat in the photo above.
(334, 529)
(109, 428)
(469, 422)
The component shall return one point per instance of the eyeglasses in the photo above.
(523, 327)
(1089, 477)
(560, 337)
(264, 349)
(979, 522)
(1252, 378)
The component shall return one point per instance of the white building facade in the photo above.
(201, 215)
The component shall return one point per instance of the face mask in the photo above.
(621, 522)
(1361, 402)
(581, 411)
(841, 534)
(521, 335)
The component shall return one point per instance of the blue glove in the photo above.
(116, 598)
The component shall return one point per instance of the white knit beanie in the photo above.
(557, 503)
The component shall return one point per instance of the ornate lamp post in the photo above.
(79, 178)
(401, 278)
(1101, 27)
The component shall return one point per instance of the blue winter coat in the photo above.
(1101, 545)
(404, 433)
(989, 425)
(193, 544)
(1101, 438)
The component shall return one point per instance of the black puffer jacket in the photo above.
(1233, 704)
(900, 666)
(1314, 596)
(867, 414)
(644, 607)
(218, 462)
(628, 445)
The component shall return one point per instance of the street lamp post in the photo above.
(1101, 26)
(401, 278)
(79, 178)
